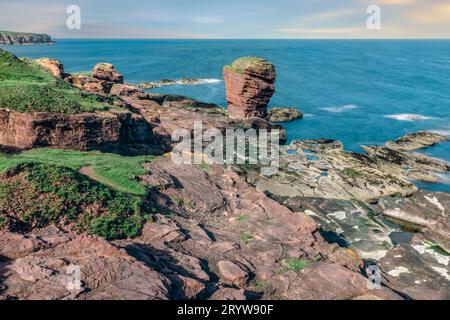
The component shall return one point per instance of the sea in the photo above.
(361, 92)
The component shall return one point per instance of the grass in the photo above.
(245, 237)
(113, 170)
(242, 218)
(178, 201)
(39, 195)
(26, 87)
(204, 166)
(352, 173)
(295, 264)
(261, 284)
(242, 64)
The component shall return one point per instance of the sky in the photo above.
(205, 19)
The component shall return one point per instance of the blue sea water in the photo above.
(358, 91)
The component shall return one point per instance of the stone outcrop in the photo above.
(417, 270)
(249, 87)
(107, 72)
(22, 38)
(284, 114)
(323, 169)
(86, 131)
(169, 82)
(106, 272)
(55, 67)
(101, 81)
(416, 141)
(424, 211)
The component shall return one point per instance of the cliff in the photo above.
(22, 38)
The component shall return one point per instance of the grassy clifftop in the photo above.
(36, 195)
(26, 87)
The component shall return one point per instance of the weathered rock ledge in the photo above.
(101, 130)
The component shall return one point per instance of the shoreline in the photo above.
(325, 206)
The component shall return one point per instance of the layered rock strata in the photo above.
(249, 86)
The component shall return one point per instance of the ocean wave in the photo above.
(347, 107)
(408, 117)
(211, 81)
(442, 132)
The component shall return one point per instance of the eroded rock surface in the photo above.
(284, 114)
(249, 87)
(55, 67)
(86, 131)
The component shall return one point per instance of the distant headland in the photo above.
(24, 38)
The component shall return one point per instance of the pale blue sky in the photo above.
(229, 19)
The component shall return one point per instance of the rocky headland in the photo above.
(142, 227)
(24, 38)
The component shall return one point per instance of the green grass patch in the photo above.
(113, 170)
(242, 218)
(352, 173)
(261, 284)
(39, 195)
(204, 166)
(295, 264)
(178, 201)
(26, 87)
(242, 64)
(245, 237)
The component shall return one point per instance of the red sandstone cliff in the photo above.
(249, 87)
(79, 132)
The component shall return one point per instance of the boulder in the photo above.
(249, 86)
(89, 84)
(284, 114)
(107, 72)
(119, 89)
(232, 273)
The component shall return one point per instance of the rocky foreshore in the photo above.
(226, 232)
(24, 38)
(169, 82)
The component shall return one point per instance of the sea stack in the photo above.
(249, 85)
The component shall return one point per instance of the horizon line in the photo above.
(206, 39)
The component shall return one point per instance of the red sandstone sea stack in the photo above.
(249, 86)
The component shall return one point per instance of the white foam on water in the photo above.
(408, 117)
(347, 107)
(442, 132)
(211, 81)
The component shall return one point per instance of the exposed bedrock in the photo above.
(86, 131)
(55, 67)
(100, 81)
(322, 168)
(249, 86)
